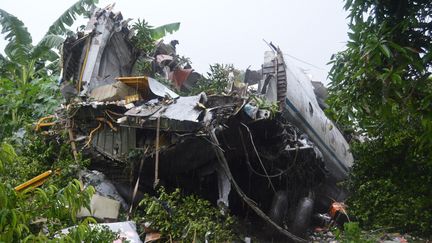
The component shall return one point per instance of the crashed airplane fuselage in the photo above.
(137, 127)
(293, 90)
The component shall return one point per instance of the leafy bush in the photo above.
(41, 213)
(23, 104)
(36, 154)
(28, 91)
(216, 82)
(352, 234)
(143, 39)
(381, 91)
(28, 88)
(185, 218)
(37, 215)
(90, 234)
(393, 191)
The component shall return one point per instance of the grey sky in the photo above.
(223, 31)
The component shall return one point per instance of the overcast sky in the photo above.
(223, 31)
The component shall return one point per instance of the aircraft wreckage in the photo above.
(283, 164)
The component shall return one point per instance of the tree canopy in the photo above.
(381, 90)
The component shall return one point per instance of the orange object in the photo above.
(42, 123)
(132, 98)
(179, 76)
(337, 207)
(34, 182)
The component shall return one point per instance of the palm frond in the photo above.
(14, 29)
(16, 33)
(4, 64)
(47, 43)
(82, 7)
(160, 31)
(54, 67)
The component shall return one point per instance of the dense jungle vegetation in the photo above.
(381, 94)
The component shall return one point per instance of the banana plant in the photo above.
(160, 31)
(27, 72)
(24, 61)
(146, 35)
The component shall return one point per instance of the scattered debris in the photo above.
(324, 235)
(102, 185)
(102, 208)
(400, 238)
(153, 236)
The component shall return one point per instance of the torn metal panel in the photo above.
(268, 86)
(115, 144)
(179, 76)
(147, 85)
(224, 187)
(184, 109)
(160, 89)
(180, 115)
(101, 207)
(111, 92)
(104, 51)
(109, 54)
(161, 58)
(145, 110)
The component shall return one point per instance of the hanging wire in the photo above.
(300, 60)
(259, 158)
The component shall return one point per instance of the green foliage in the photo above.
(146, 35)
(20, 213)
(160, 31)
(352, 234)
(16, 33)
(35, 155)
(37, 215)
(24, 103)
(28, 88)
(90, 234)
(28, 91)
(143, 66)
(216, 81)
(81, 7)
(185, 218)
(25, 62)
(391, 189)
(7, 155)
(382, 81)
(264, 104)
(381, 88)
(143, 39)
